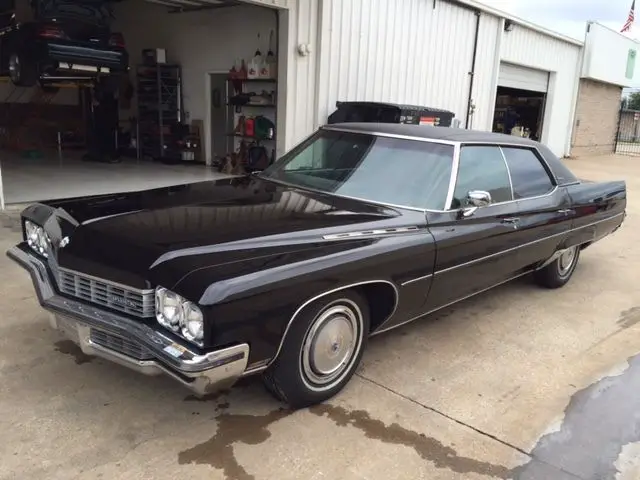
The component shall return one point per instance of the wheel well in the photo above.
(382, 299)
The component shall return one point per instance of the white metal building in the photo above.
(402, 51)
(447, 54)
(422, 52)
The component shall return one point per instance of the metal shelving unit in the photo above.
(160, 109)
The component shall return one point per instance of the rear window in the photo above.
(385, 170)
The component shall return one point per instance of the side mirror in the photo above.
(475, 199)
(478, 198)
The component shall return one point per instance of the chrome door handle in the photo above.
(566, 211)
(513, 221)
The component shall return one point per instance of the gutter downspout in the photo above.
(472, 73)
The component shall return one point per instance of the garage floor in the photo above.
(518, 383)
(27, 180)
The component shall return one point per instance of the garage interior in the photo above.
(520, 101)
(199, 102)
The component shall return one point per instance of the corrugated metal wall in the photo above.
(487, 66)
(406, 51)
(527, 47)
(301, 18)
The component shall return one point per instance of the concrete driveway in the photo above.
(517, 383)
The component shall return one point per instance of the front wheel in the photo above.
(321, 350)
(559, 272)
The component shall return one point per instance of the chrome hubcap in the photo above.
(330, 345)
(566, 261)
(14, 68)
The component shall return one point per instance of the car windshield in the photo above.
(95, 11)
(385, 170)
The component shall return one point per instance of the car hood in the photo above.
(160, 236)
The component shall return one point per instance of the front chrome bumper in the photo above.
(95, 330)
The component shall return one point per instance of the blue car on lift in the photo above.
(59, 40)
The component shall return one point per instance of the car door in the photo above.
(475, 246)
(545, 213)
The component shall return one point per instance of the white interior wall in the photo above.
(201, 42)
(562, 59)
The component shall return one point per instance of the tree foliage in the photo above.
(633, 101)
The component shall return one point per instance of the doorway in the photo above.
(519, 112)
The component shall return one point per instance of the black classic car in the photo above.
(59, 40)
(359, 229)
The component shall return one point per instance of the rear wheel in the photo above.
(559, 272)
(321, 350)
(22, 72)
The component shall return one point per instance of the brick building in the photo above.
(608, 65)
(596, 118)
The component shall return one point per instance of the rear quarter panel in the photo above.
(599, 209)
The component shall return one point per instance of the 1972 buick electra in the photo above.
(359, 229)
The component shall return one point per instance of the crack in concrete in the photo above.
(448, 417)
(476, 430)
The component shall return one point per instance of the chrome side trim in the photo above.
(553, 257)
(370, 233)
(477, 260)
(409, 282)
(449, 304)
(329, 292)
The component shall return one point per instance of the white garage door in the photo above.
(524, 78)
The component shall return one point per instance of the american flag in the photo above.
(630, 19)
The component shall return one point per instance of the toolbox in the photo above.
(379, 112)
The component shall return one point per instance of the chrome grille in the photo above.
(139, 303)
(119, 344)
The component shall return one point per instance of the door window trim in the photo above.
(544, 165)
(534, 150)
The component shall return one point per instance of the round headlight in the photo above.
(43, 242)
(168, 309)
(31, 230)
(193, 324)
(172, 310)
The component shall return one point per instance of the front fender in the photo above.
(256, 305)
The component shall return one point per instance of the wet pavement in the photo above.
(521, 383)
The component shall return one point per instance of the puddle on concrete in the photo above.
(428, 448)
(629, 318)
(218, 451)
(69, 348)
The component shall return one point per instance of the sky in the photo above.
(569, 16)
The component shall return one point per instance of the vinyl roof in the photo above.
(436, 133)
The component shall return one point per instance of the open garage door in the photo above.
(520, 101)
(523, 78)
(178, 109)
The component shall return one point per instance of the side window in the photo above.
(482, 168)
(528, 175)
